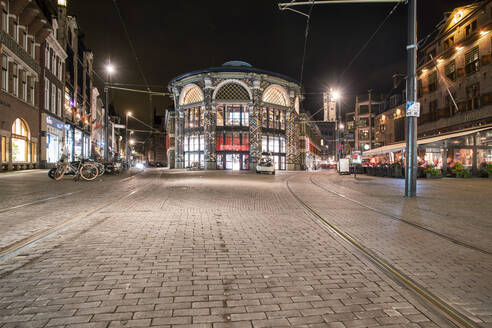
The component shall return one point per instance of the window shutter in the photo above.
(471, 56)
(450, 68)
(29, 92)
(11, 77)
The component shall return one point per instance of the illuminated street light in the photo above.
(110, 69)
(335, 95)
(132, 141)
(129, 113)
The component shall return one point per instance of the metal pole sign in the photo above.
(413, 109)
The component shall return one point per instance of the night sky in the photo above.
(175, 37)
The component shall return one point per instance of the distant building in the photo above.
(52, 87)
(227, 116)
(79, 84)
(170, 124)
(155, 144)
(389, 124)
(309, 143)
(360, 134)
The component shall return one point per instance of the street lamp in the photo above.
(336, 95)
(126, 134)
(109, 71)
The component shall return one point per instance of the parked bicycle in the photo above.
(80, 169)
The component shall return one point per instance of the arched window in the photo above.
(191, 94)
(20, 141)
(275, 95)
(232, 92)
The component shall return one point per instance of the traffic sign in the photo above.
(413, 109)
(339, 147)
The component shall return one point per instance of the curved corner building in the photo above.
(227, 116)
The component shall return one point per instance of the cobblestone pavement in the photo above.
(199, 249)
(459, 275)
(31, 202)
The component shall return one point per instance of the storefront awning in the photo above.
(401, 146)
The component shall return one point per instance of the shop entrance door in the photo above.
(236, 163)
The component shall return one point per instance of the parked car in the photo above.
(266, 164)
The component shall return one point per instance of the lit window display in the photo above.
(193, 149)
(78, 143)
(273, 118)
(194, 117)
(20, 141)
(235, 115)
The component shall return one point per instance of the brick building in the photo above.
(52, 84)
(23, 29)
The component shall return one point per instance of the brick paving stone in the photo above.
(69, 320)
(225, 251)
(448, 206)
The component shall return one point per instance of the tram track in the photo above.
(403, 220)
(19, 245)
(454, 315)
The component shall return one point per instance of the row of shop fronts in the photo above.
(60, 137)
(19, 148)
(471, 147)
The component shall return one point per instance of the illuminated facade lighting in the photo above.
(458, 16)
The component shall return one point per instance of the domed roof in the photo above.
(237, 63)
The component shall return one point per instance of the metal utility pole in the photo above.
(106, 124)
(411, 120)
(413, 107)
(126, 137)
(337, 129)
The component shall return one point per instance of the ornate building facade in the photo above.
(227, 116)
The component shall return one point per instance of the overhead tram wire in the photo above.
(306, 35)
(368, 41)
(131, 44)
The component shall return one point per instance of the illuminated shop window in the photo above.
(232, 115)
(232, 91)
(273, 118)
(274, 95)
(20, 141)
